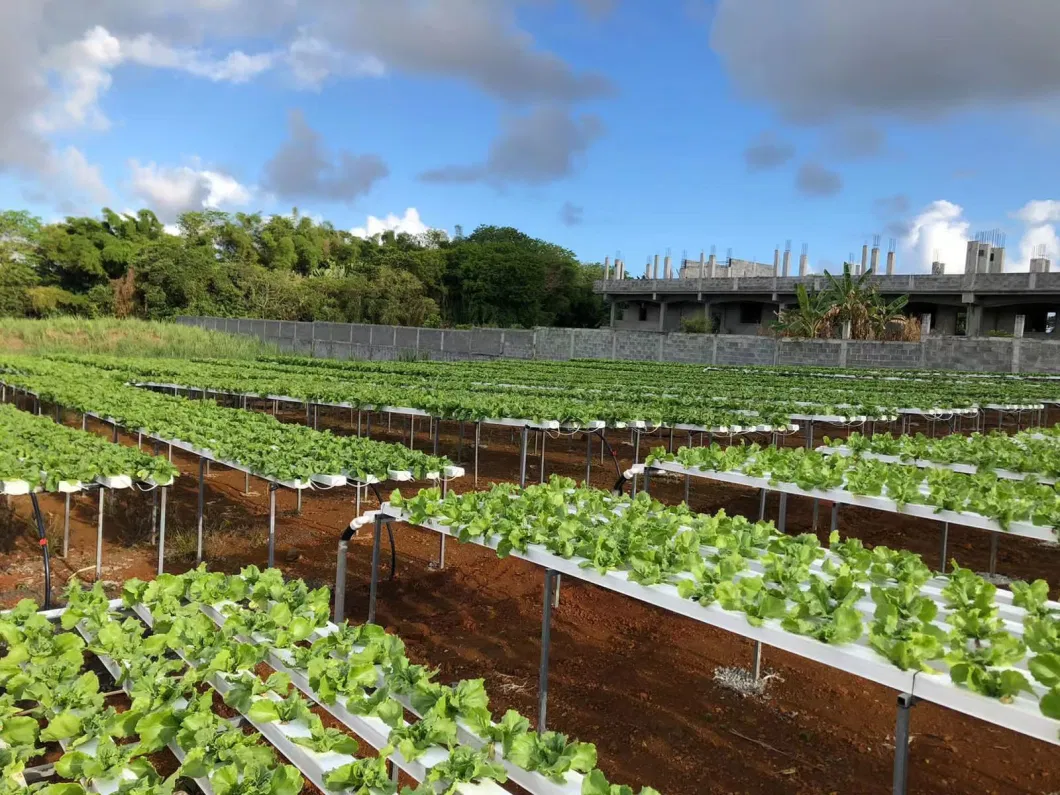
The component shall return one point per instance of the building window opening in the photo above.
(643, 314)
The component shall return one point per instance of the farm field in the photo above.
(646, 686)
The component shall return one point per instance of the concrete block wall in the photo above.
(359, 341)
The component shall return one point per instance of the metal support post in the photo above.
(154, 515)
(546, 639)
(901, 744)
(555, 593)
(99, 538)
(436, 431)
(298, 504)
(162, 532)
(816, 512)
(412, 432)
(809, 434)
(647, 481)
(636, 458)
(993, 552)
(374, 587)
(522, 455)
(340, 581)
(688, 487)
(478, 439)
(782, 518)
(757, 670)
(544, 436)
(246, 482)
(66, 526)
(945, 540)
(202, 505)
(588, 458)
(115, 432)
(835, 517)
(272, 523)
(762, 506)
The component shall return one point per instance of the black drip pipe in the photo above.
(44, 551)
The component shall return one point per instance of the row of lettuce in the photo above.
(574, 394)
(175, 675)
(255, 441)
(41, 453)
(1003, 500)
(887, 600)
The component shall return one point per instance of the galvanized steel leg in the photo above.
(154, 515)
(373, 588)
(782, 519)
(809, 435)
(66, 526)
(202, 504)
(757, 670)
(340, 581)
(835, 517)
(298, 505)
(762, 506)
(162, 532)
(273, 487)
(436, 431)
(993, 551)
(688, 487)
(478, 438)
(99, 538)
(546, 640)
(945, 541)
(816, 511)
(901, 744)
(522, 456)
(636, 458)
(588, 458)
(544, 436)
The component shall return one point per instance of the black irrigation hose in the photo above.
(390, 533)
(44, 551)
(603, 438)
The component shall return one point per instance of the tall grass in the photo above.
(124, 338)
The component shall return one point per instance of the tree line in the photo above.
(288, 267)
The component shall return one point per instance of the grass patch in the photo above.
(112, 337)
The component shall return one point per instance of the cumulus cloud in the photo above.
(478, 41)
(313, 61)
(303, 168)
(539, 147)
(940, 231)
(819, 59)
(409, 223)
(84, 71)
(1040, 218)
(571, 214)
(172, 190)
(815, 180)
(767, 153)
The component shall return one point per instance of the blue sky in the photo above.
(607, 126)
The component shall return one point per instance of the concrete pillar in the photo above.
(1021, 322)
(711, 266)
(607, 269)
(925, 325)
(874, 263)
(702, 264)
(614, 313)
(668, 268)
(975, 320)
(621, 267)
(655, 268)
(804, 264)
(647, 270)
(845, 330)
(776, 263)
(864, 259)
(662, 315)
(787, 262)
(890, 263)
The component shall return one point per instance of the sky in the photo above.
(611, 127)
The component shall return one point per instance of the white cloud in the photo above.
(84, 71)
(312, 60)
(941, 229)
(71, 164)
(409, 223)
(1040, 218)
(172, 190)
